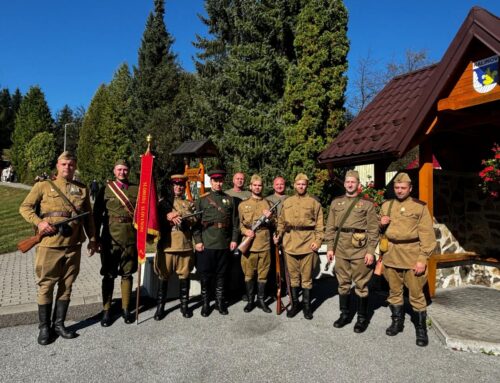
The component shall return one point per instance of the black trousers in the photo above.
(212, 262)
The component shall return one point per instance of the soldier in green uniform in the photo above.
(301, 227)
(411, 242)
(257, 259)
(175, 248)
(351, 236)
(113, 213)
(58, 254)
(215, 238)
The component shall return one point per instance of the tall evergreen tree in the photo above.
(65, 118)
(314, 96)
(33, 117)
(9, 105)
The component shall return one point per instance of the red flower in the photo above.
(494, 194)
(375, 204)
(497, 156)
(380, 192)
(366, 196)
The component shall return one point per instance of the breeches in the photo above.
(212, 262)
(180, 263)
(348, 271)
(118, 260)
(300, 269)
(397, 278)
(253, 262)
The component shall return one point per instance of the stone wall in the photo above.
(465, 220)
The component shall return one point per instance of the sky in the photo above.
(70, 47)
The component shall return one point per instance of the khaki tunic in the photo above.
(175, 250)
(273, 198)
(57, 257)
(350, 266)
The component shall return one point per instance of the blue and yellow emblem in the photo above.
(485, 74)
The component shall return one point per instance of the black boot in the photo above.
(205, 310)
(160, 299)
(362, 322)
(261, 294)
(294, 310)
(250, 286)
(219, 296)
(421, 329)
(126, 287)
(184, 296)
(345, 313)
(398, 320)
(306, 301)
(107, 297)
(61, 309)
(106, 318)
(44, 312)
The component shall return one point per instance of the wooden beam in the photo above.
(425, 175)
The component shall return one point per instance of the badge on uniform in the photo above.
(75, 191)
(402, 209)
(225, 201)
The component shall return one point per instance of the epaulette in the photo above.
(78, 183)
(204, 194)
(418, 201)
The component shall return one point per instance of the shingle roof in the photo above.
(391, 123)
(197, 148)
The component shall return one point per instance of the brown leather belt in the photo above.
(120, 219)
(350, 230)
(263, 227)
(402, 241)
(65, 214)
(289, 228)
(217, 225)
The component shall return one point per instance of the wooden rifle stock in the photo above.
(279, 303)
(28, 243)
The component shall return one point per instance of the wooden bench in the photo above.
(467, 258)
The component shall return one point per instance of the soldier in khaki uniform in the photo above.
(351, 236)
(411, 242)
(258, 257)
(175, 249)
(301, 227)
(114, 212)
(215, 237)
(58, 254)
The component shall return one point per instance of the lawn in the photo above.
(13, 227)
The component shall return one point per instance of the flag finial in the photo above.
(149, 138)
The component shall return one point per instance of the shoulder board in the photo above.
(418, 201)
(204, 195)
(78, 183)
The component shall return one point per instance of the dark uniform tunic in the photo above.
(361, 222)
(218, 226)
(411, 240)
(57, 256)
(118, 236)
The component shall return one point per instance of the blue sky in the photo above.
(69, 48)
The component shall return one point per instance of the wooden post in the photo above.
(425, 175)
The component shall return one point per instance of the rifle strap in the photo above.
(342, 222)
(63, 196)
(121, 197)
(389, 214)
(214, 204)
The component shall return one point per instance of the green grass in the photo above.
(13, 227)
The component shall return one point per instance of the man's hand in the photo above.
(174, 218)
(276, 239)
(314, 246)
(232, 246)
(267, 213)
(385, 220)
(369, 259)
(330, 255)
(92, 248)
(199, 247)
(46, 228)
(419, 268)
(249, 233)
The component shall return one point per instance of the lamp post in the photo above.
(65, 126)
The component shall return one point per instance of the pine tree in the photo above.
(5, 119)
(33, 117)
(41, 154)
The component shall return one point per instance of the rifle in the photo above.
(192, 214)
(279, 304)
(26, 244)
(245, 244)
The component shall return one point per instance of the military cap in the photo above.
(123, 162)
(178, 179)
(66, 155)
(402, 177)
(217, 173)
(301, 177)
(352, 173)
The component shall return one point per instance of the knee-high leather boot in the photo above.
(160, 299)
(306, 300)
(362, 321)
(205, 309)
(107, 297)
(294, 310)
(421, 329)
(261, 295)
(219, 296)
(184, 297)
(44, 312)
(126, 287)
(345, 314)
(250, 287)
(398, 319)
(61, 310)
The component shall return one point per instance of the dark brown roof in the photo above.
(390, 124)
(197, 148)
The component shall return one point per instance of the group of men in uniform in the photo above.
(208, 232)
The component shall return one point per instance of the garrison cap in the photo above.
(66, 155)
(217, 173)
(123, 162)
(352, 173)
(301, 177)
(402, 177)
(178, 179)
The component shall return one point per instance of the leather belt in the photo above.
(65, 214)
(350, 230)
(217, 225)
(120, 219)
(289, 228)
(262, 227)
(402, 241)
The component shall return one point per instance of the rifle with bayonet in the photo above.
(247, 242)
(28, 243)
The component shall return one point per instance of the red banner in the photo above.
(146, 215)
